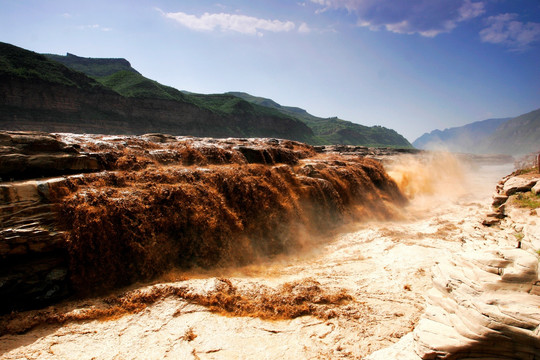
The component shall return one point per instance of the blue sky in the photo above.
(410, 65)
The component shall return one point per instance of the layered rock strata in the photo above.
(34, 104)
(485, 304)
(510, 185)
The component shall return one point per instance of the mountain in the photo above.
(334, 130)
(513, 136)
(37, 93)
(69, 93)
(91, 66)
(520, 135)
(17, 63)
(459, 139)
(130, 84)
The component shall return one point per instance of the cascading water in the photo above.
(362, 282)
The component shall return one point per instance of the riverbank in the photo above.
(484, 302)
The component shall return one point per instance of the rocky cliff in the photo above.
(117, 209)
(484, 304)
(91, 66)
(31, 105)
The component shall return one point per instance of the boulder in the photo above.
(536, 188)
(492, 219)
(498, 200)
(518, 184)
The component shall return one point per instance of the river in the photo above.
(383, 267)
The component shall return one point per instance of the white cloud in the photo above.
(230, 22)
(506, 30)
(94, 27)
(470, 10)
(85, 27)
(304, 28)
(322, 2)
(425, 17)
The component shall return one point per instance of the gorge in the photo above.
(160, 246)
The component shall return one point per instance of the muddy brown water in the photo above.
(385, 268)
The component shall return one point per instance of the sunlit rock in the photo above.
(482, 306)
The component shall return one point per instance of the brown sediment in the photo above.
(126, 226)
(384, 265)
(156, 201)
(289, 301)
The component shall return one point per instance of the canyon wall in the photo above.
(45, 106)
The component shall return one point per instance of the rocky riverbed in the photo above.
(404, 283)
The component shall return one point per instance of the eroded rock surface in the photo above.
(510, 185)
(346, 297)
(485, 304)
(33, 251)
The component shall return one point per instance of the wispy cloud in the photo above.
(506, 30)
(231, 22)
(425, 17)
(470, 10)
(93, 27)
(304, 28)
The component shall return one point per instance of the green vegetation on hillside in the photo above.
(226, 104)
(527, 200)
(131, 84)
(32, 66)
(248, 115)
(93, 67)
(334, 130)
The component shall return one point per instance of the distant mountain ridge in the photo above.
(334, 130)
(520, 135)
(462, 138)
(513, 136)
(128, 82)
(58, 93)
